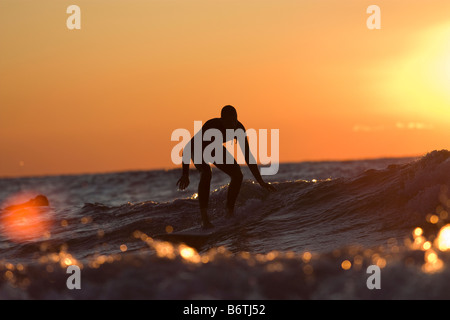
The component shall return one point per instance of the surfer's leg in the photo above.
(203, 192)
(234, 171)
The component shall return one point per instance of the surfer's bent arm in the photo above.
(187, 151)
(185, 169)
(183, 182)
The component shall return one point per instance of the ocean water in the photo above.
(312, 239)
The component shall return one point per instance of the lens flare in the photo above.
(432, 262)
(443, 238)
(23, 220)
(189, 254)
(346, 265)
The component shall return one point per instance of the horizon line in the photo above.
(175, 168)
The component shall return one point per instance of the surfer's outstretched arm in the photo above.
(251, 162)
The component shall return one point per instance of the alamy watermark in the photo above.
(73, 281)
(73, 22)
(374, 280)
(214, 150)
(374, 20)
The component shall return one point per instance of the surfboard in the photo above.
(197, 236)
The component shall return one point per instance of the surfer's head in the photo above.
(229, 117)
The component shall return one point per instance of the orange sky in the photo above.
(107, 97)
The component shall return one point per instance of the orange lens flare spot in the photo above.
(346, 265)
(24, 222)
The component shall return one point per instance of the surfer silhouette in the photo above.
(228, 120)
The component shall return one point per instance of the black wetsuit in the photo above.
(230, 168)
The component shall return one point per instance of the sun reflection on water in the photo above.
(443, 238)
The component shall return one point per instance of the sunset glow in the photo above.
(107, 97)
